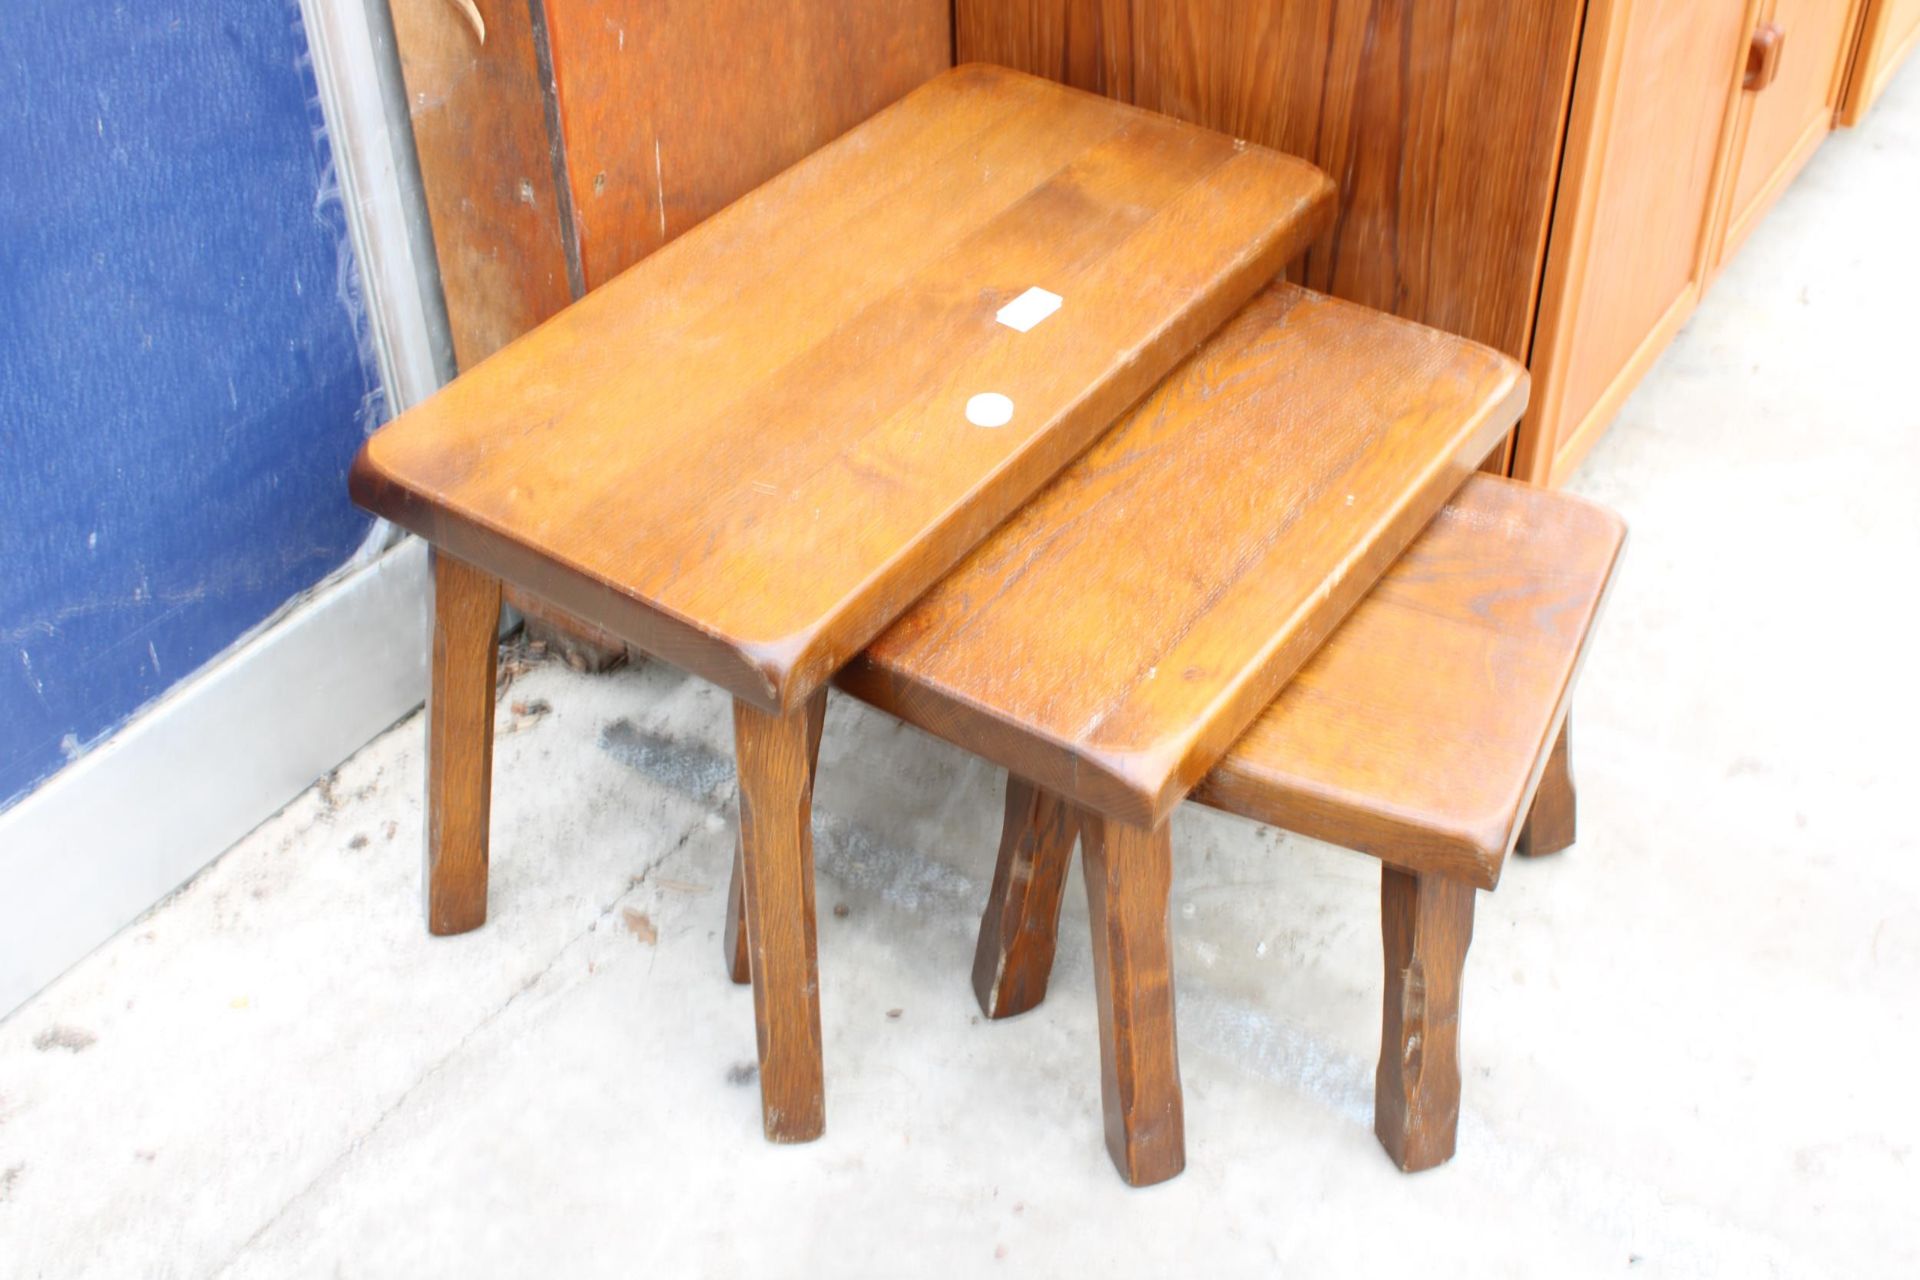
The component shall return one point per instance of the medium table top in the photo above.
(751, 451)
(1418, 732)
(1113, 639)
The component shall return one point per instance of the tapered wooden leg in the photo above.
(1129, 874)
(734, 940)
(466, 624)
(1550, 823)
(1426, 922)
(1014, 957)
(733, 944)
(775, 753)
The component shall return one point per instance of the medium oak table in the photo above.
(750, 452)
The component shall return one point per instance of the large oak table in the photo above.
(751, 452)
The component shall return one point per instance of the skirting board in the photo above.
(121, 828)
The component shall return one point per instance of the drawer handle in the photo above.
(1763, 56)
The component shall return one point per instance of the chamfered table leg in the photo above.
(776, 754)
(1550, 823)
(1129, 875)
(1426, 922)
(1019, 930)
(733, 942)
(466, 625)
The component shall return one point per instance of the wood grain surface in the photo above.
(1418, 732)
(670, 110)
(751, 451)
(1113, 639)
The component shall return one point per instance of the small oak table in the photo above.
(751, 452)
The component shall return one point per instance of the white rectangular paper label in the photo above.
(1029, 309)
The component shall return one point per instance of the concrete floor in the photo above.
(1689, 1043)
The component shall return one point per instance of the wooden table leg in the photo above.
(1019, 931)
(1550, 823)
(1129, 874)
(776, 754)
(1426, 922)
(733, 942)
(466, 625)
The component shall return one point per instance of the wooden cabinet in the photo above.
(1889, 31)
(1788, 105)
(1655, 95)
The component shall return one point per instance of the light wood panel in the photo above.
(1647, 146)
(752, 451)
(1889, 33)
(1114, 638)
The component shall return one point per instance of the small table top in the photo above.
(1418, 732)
(751, 451)
(1113, 639)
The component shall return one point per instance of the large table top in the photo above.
(754, 449)
(1113, 639)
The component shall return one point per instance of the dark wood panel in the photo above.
(486, 167)
(672, 109)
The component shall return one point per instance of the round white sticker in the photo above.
(989, 409)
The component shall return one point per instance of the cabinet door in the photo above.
(1780, 124)
(1653, 98)
(1889, 33)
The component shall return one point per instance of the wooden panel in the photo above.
(1116, 636)
(1441, 123)
(1646, 148)
(1779, 127)
(1417, 732)
(1084, 43)
(672, 109)
(486, 168)
(751, 451)
(1888, 35)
